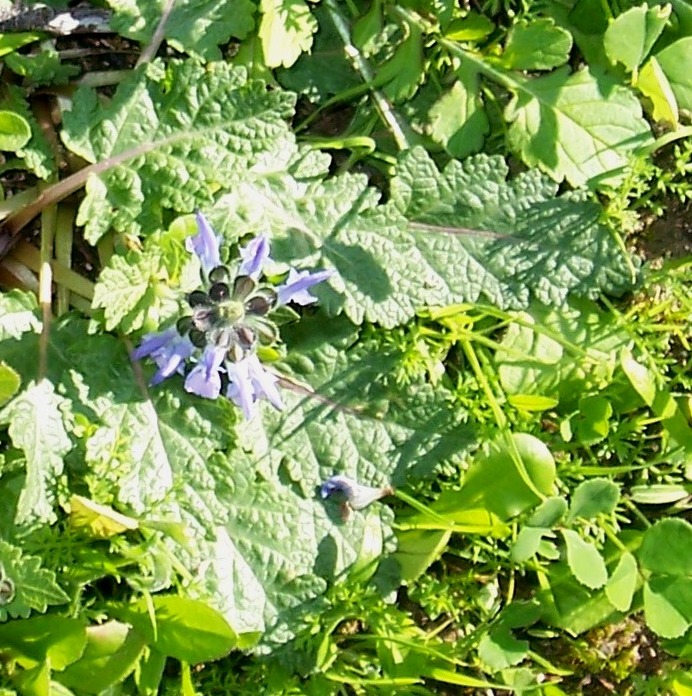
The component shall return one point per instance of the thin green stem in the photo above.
(360, 65)
(64, 234)
(500, 418)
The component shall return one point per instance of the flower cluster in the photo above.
(215, 344)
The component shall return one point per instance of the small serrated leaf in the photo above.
(285, 31)
(18, 314)
(36, 427)
(667, 607)
(536, 45)
(457, 119)
(598, 496)
(584, 560)
(133, 293)
(622, 583)
(33, 587)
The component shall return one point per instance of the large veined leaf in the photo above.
(171, 139)
(263, 544)
(464, 234)
(192, 26)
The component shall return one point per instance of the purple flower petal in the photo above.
(357, 496)
(295, 289)
(240, 390)
(205, 244)
(250, 381)
(204, 378)
(264, 382)
(152, 342)
(168, 349)
(254, 256)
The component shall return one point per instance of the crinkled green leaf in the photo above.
(457, 119)
(34, 587)
(196, 27)
(526, 242)
(18, 314)
(676, 63)
(133, 292)
(575, 126)
(470, 235)
(356, 425)
(263, 545)
(631, 35)
(36, 427)
(170, 139)
(536, 45)
(285, 31)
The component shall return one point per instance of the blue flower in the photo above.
(204, 378)
(356, 495)
(168, 349)
(254, 256)
(248, 382)
(205, 244)
(295, 289)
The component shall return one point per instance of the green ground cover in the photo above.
(345, 348)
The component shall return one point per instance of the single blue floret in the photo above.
(295, 289)
(356, 495)
(205, 244)
(168, 349)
